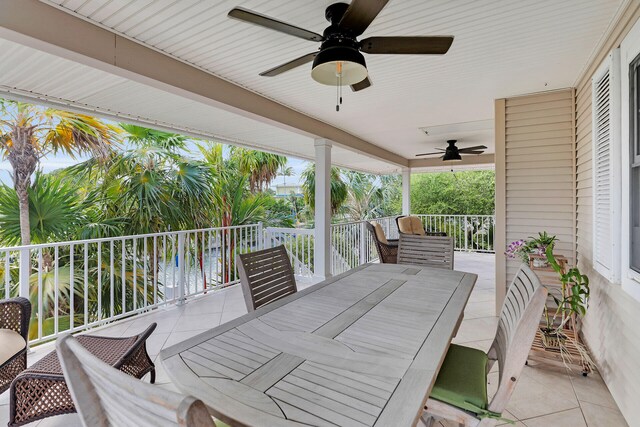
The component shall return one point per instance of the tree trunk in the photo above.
(23, 157)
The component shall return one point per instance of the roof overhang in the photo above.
(38, 26)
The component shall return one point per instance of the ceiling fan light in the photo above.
(452, 156)
(348, 61)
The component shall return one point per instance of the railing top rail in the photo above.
(458, 215)
(362, 220)
(290, 230)
(128, 237)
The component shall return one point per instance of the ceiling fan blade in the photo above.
(360, 14)
(255, 18)
(412, 45)
(471, 152)
(289, 65)
(361, 85)
(428, 154)
(475, 147)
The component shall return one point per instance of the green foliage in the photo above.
(56, 210)
(339, 190)
(575, 290)
(260, 167)
(459, 193)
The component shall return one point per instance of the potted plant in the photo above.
(571, 300)
(532, 246)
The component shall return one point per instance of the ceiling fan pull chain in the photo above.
(338, 93)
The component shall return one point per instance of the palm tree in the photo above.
(365, 197)
(56, 210)
(29, 132)
(339, 190)
(284, 172)
(261, 167)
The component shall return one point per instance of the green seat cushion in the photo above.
(462, 380)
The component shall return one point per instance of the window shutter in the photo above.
(602, 172)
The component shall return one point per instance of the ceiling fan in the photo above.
(452, 152)
(339, 61)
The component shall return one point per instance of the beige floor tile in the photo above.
(67, 420)
(600, 416)
(188, 322)
(476, 330)
(230, 315)
(570, 418)
(176, 337)
(538, 393)
(592, 389)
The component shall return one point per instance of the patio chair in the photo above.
(460, 391)
(430, 251)
(14, 335)
(387, 248)
(266, 276)
(105, 396)
(412, 224)
(41, 391)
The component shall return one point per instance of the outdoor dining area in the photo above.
(372, 346)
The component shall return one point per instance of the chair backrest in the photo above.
(105, 396)
(379, 232)
(517, 326)
(430, 251)
(266, 276)
(404, 225)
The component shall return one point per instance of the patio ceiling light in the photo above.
(339, 66)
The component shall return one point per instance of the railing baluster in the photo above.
(99, 269)
(86, 284)
(56, 286)
(145, 266)
(111, 278)
(72, 284)
(40, 311)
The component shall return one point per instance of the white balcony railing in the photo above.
(81, 284)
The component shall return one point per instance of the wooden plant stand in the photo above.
(539, 353)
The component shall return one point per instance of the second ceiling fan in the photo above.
(339, 61)
(453, 153)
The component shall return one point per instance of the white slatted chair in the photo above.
(429, 251)
(106, 397)
(266, 276)
(519, 321)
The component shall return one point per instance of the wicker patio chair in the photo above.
(430, 251)
(266, 276)
(387, 248)
(106, 397)
(41, 390)
(460, 391)
(411, 224)
(14, 335)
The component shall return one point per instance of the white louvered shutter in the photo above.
(602, 172)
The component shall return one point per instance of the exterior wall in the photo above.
(612, 325)
(535, 185)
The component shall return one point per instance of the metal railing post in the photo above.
(181, 268)
(363, 244)
(261, 236)
(466, 234)
(25, 272)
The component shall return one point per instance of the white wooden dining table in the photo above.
(359, 349)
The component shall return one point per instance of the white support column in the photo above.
(406, 191)
(322, 245)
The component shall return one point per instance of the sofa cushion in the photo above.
(379, 233)
(462, 380)
(416, 226)
(11, 343)
(404, 225)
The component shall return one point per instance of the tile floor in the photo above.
(544, 396)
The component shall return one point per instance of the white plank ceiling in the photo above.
(501, 48)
